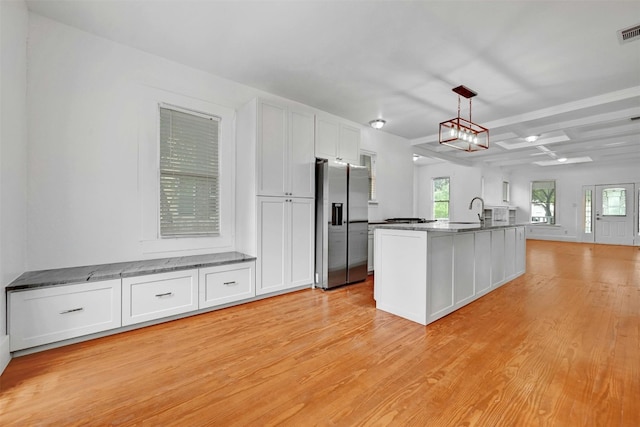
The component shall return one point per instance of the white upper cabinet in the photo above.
(302, 159)
(327, 132)
(272, 149)
(349, 147)
(285, 151)
(336, 140)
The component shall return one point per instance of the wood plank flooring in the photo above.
(559, 346)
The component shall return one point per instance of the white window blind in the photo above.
(189, 187)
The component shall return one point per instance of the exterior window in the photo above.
(368, 160)
(441, 198)
(588, 211)
(614, 202)
(189, 193)
(505, 191)
(543, 202)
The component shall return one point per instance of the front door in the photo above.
(614, 214)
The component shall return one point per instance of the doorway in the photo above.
(609, 213)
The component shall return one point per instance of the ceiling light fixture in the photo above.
(532, 138)
(562, 159)
(461, 133)
(377, 123)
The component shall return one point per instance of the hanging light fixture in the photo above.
(461, 133)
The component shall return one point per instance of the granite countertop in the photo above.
(93, 273)
(446, 226)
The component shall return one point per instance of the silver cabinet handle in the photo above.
(166, 294)
(73, 310)
(230, 283)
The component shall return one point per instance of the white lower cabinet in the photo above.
(370, 243)
(160, 295)
(451, 273)
(43, 316)
(497, 257)
(509, 253)
(482, 262)
(50, 314)
(425, 275)
(463, 274)
(225, 284)
(521, 251)
(440, 298)
(285, 243)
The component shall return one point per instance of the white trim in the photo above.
(5, 355)
(148, 173)
(586, 237)
(636, 210)
(374, 172)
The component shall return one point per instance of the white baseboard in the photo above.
(5, 355)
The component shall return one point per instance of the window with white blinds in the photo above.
(189, 173)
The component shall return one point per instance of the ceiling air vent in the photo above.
(629, 34)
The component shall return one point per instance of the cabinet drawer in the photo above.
(227, 283)
(155, 296)
(43, 316)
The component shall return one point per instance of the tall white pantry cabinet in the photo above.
(275, 187)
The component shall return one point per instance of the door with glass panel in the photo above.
(613, 210)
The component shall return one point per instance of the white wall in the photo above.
(394, 174)
(493, 179)
(569, 182)
(465, 183)
(92, 121)
(13, 142)
(91, 149)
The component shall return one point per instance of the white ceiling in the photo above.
(551, 68)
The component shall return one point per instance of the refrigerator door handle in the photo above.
(336, 214)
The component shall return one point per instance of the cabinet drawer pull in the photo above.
(166, 294)
(73, 310)
(230, 283)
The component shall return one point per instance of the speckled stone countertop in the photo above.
(446, 226)
(93, 273)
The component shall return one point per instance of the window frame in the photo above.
(213, 176)
(150, 242)
(552, 219)
(624, 198)
(435, 201)
(505, 191)
(373, 196)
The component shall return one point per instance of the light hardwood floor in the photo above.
(559, 346)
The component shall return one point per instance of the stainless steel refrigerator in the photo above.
(342, 193)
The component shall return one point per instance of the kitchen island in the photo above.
(426, 271)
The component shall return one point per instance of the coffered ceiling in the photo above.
(555, 69)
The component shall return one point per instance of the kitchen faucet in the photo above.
(480, 217)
